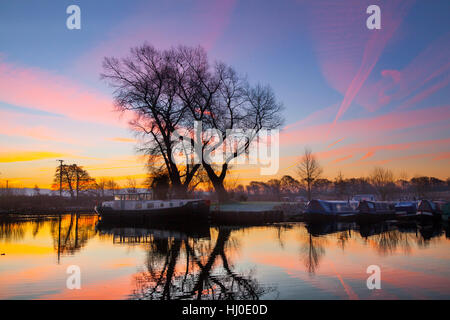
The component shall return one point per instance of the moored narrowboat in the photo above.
(405, 210)
(141, 208)
(428, 210)
(323, 210)
(375, 211)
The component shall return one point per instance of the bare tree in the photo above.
(112, 186)
(309, 170)
(275, 188)
(289, 185)
(383, 181)
(101, 186)
(74, 179)
(340, 186)
(173, 89)
(37, 190)
(131, 185)
(145, 84)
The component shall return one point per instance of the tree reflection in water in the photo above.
(386, 238)
(389, 238)
(182, 265)
(312, 247)
(70, 232)
(191, 268)
(11, 230)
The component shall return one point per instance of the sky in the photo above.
(358, 98)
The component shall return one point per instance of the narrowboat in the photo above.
(322, 210)
(141, 208)
(405, 210)
(375, 211)
(428, 210)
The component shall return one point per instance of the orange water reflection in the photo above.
(285, 261)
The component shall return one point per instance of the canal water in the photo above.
(281, 261)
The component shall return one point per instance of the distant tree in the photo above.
(240, 193)
(424, 186)
(309, 170)
(102, 185)
(112, 186)
(289, 185)
(437, 184)
(323, 185)
(131, 185)
(403, 184)
(258, 188)
(83, 181)
(160, 184)
(358, 186)
(74, 179)
(275, 188)
(36, 190)
(383, 181)
(340, 186)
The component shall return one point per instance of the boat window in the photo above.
(117, 197)
(171, 204)
(150, 205)
(138, 205)
(162, 204)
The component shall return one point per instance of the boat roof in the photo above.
(334, 201)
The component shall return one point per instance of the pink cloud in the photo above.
(334, 143)
(442, 156)
(342, 159)
(20, 125)
(367, 127)
(423, 76)
(42, 90)
(426, 93)
(347, 51)
(368, 155)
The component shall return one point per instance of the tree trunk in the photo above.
(222, 193)
(217, 181)
(309, 192)
(179, 191)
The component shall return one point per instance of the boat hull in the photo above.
(424, 217)
(406, 216)
(314, 217)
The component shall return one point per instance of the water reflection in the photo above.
(216, 262)
(189, 265)
(71, 232)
